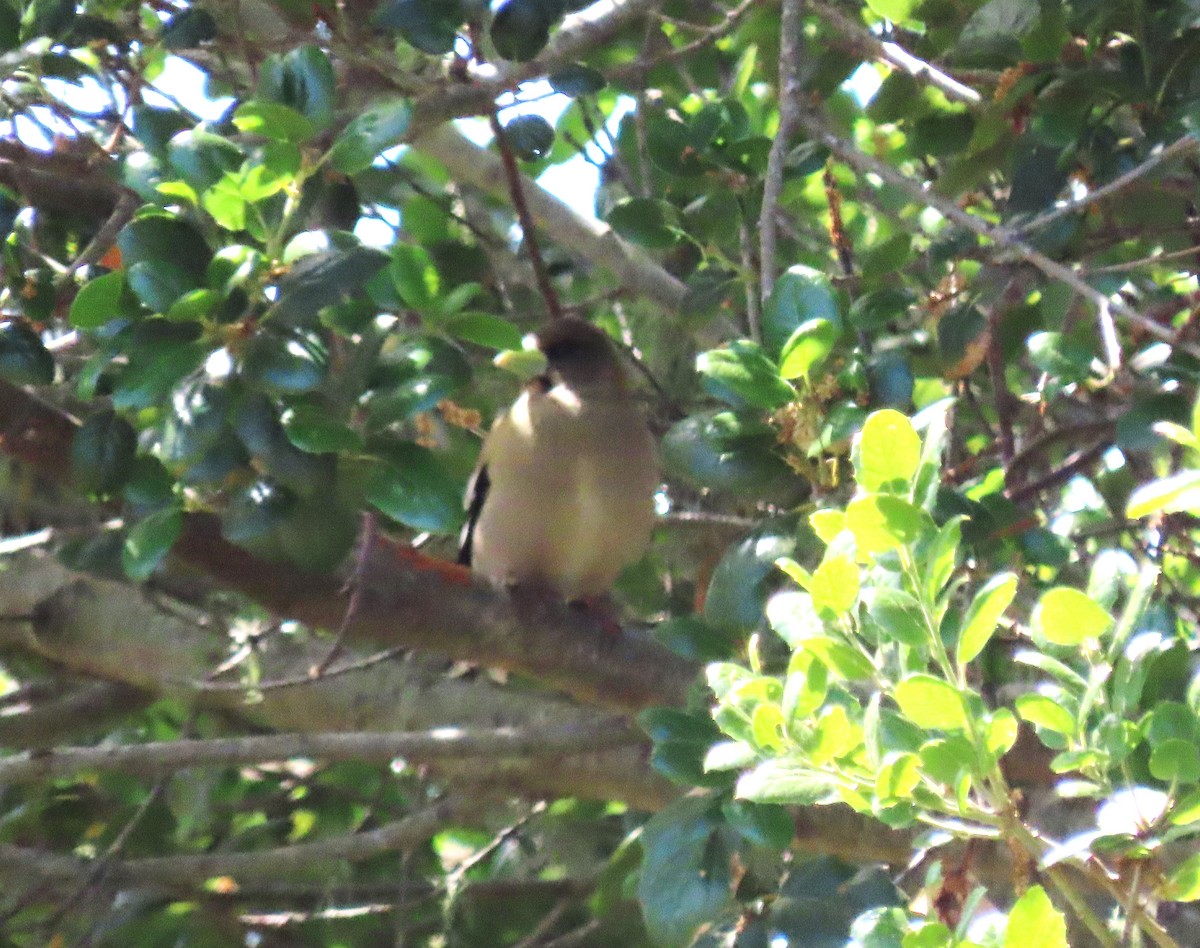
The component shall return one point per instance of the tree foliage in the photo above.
(908, 290)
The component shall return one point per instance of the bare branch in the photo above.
(895, 55)
(790, 42)
(1003, 237)
(1186, 145)
(592, 240)
(440, 743)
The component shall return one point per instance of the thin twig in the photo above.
(897, 56)
(1186, 145)
(1077, 462)
(1002, 236)
(753, 304)
(158, 757)
(790, 41)
(354, 584)
(528, 229)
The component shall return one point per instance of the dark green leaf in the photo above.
(189, 28)
(103, 451)
(801, 296)
(521, 28)
(24, 358)
(743, 376)
(429, 25)
(646, 221)
(414, 489)
(530, 136)
(372, 132)
(323, 279)
(577, 80)
(685, 880)
(149, 541)
(301, 79)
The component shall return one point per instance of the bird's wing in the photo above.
(477, 491)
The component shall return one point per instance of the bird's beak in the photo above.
(525, 363)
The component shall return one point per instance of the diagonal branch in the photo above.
(592, 240)
(1003, 237)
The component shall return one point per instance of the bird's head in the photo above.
(577, 353)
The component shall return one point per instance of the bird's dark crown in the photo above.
(577, 350)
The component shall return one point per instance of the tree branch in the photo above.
(1003, 237)
(592, 240)
(444, 743)
(790, 42)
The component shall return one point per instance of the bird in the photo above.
(562, 498)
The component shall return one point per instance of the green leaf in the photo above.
(414, 489)
(1000, 733)
(835, 585)
(428, 25)
(285, 363)
(1176, 761)
(807, 348)
(521, 28)
(931, 703)
(303, 80)
(149, 541)
(671, 148)
(940, 557)
(24, 358)
(311, 429)
(1034, 922)
(841, 659)
(685, 879)
(895, 10)
(415, 277)
(785, 782)
(380, 127)
(530, 136)
(576, 80)
(1065, 616)
(647, 222)
(159, 283)
(324, 279)
(898, 777)
(899, 617)
(882, 522)
(889, 451)
(1183, 881)
(273, 120)
(98, 301)
(805, 686)
(1045, 712)
(763, 824)
(167, 240)
(743, 376)
(802, 297)
(827, 524)
(984, 615)
(728, 452)
(484, 329)
(103, 452)
(1179, 493)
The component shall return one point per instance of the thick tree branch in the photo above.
(311, 859)
(406, 599)
(443, 743)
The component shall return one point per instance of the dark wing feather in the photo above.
(477, 491)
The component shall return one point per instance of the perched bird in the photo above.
(563, 497)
